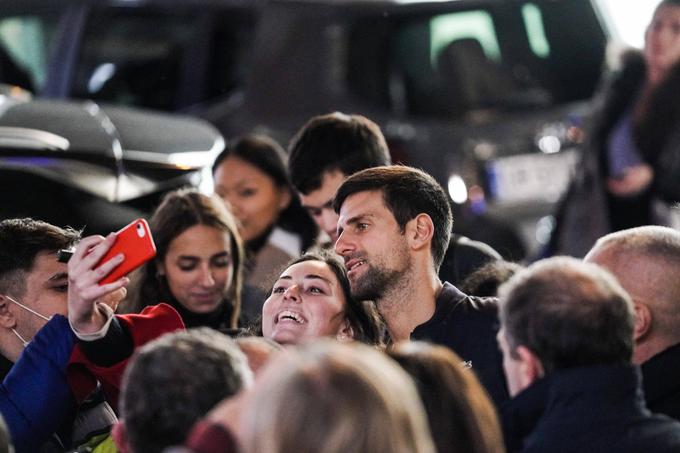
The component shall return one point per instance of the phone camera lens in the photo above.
(140, 230)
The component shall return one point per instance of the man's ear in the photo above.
(119, 435)
(7, 319)
(643, 321)
(531, 367)
(346, 333)
(420, 231)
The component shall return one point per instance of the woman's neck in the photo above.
(255, 244)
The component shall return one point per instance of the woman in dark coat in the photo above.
(631, 162)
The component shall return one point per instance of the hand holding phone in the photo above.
(95, 269)
(134, 241)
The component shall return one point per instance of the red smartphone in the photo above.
(136, 243)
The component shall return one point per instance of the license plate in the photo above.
(530, 177)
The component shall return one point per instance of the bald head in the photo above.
(646, 261)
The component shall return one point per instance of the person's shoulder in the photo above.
(656, 432)
(464, 244)
(487, 305)
(463, 256)
(469, 304)
(283, 241)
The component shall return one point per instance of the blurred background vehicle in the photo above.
(486, 95)
(87, 165)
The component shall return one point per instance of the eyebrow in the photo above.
(236, 185)
(308, 277)
(244, 182)
(58, 276)
(354, 220)
(197, 258)
(188, 257)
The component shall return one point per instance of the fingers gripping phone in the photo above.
(135, 242)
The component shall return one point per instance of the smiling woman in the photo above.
(198, 263)
(311, 299)
(250, 176)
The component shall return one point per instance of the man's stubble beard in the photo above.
(378, 282)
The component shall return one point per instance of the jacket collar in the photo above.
(662, 374)
(595, 390)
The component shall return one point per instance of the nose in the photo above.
(329, 222)
(232, 204)
(206, 276)
(292, 293)
(343, 245)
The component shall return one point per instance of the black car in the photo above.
(484, 94)
(93, 166)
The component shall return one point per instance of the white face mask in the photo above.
(23, 341)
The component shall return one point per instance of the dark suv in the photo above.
(484, 94)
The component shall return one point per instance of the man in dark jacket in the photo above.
(646, 261)
(35, 338)
(567, 340)
(393, 231)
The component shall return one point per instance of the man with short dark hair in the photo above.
(172, 382)
(331, 147)
(646, 261)
(33, 282)
(33, 305)
(324, 152)
(567, 340)
(43, 408)
(393, 231)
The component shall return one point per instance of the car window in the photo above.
(25, 46)
(533, 22)
(162, 60)
(477, 25)
(512, 56)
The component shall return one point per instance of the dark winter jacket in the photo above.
(591, 409)
(588, 211)
(661, 382)
(468, 325)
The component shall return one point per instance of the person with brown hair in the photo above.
(250, 176)
(394, 229)
(461, 416)
(567, 341)
(312, 299)
(326, 150)
(198, 264)
(171, 382)
(331, 147)
(485, 281)
(631, 163)
(347, 398)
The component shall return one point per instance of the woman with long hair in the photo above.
(251, 177)
(198, 264)
(631, 162)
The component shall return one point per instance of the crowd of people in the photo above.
(319, 302)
